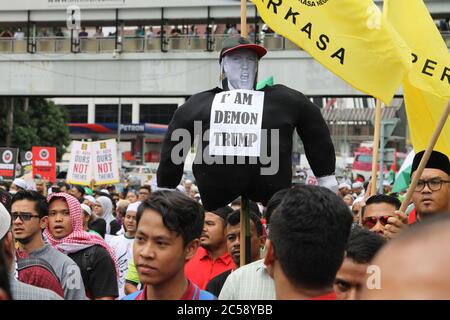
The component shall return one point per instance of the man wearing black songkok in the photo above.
(432, 194)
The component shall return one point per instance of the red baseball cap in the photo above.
(233, 43)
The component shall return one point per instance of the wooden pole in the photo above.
(245, 217)
(244, 18)
(426, 157)
(376, 145)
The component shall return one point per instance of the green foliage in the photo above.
(43, 124)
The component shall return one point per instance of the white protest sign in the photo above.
(106, 170)
(235, 124)
(80, 169)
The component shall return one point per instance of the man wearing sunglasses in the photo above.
(380, 215)
(432, 193)
(29, 212)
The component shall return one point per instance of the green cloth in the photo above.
(132, 274)
(95, 232)
(266, 82)
(403, 180)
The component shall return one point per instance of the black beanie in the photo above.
(223, 212)
(437, 160)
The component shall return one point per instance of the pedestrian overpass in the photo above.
(124, 65)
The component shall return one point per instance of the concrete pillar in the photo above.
(135, 111)
(91, 112)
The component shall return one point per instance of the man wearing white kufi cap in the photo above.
(17, 185)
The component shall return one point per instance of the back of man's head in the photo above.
(363, 245)
(273, 203)
(309, 233)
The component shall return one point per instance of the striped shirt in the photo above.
(22, 291)
(249, 282)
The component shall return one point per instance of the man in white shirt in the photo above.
(19, 34)
(122, 245)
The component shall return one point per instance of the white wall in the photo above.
(152, 74)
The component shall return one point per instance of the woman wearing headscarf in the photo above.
(93, 256)
(103, 208)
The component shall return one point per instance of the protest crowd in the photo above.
(61, 241)
(91, 237)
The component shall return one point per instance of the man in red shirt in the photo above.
(307, 241)
(212, 258)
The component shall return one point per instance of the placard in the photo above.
(235, 123)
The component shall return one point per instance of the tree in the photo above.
(43, 124)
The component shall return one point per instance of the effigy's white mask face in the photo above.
(240, 69)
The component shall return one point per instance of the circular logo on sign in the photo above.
(44, 154)
(7, 156)
(28, 155)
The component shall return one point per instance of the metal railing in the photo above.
(133, 44)
(142, 44)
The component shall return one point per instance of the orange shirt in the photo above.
(202, 268)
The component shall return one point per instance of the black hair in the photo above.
(274, 202)
(63, 184)
(253, 207)
(113, 194)
(382, 198)
(179, 213)
(146, 187)
(235, 217)
(363, 245)
(309, 232)
(101, 194)
(40, 203)
(223, 212)
(79, 188)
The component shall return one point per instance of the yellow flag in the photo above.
(427, 87)
(424, 111)
(431, 59)
(351, 38)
